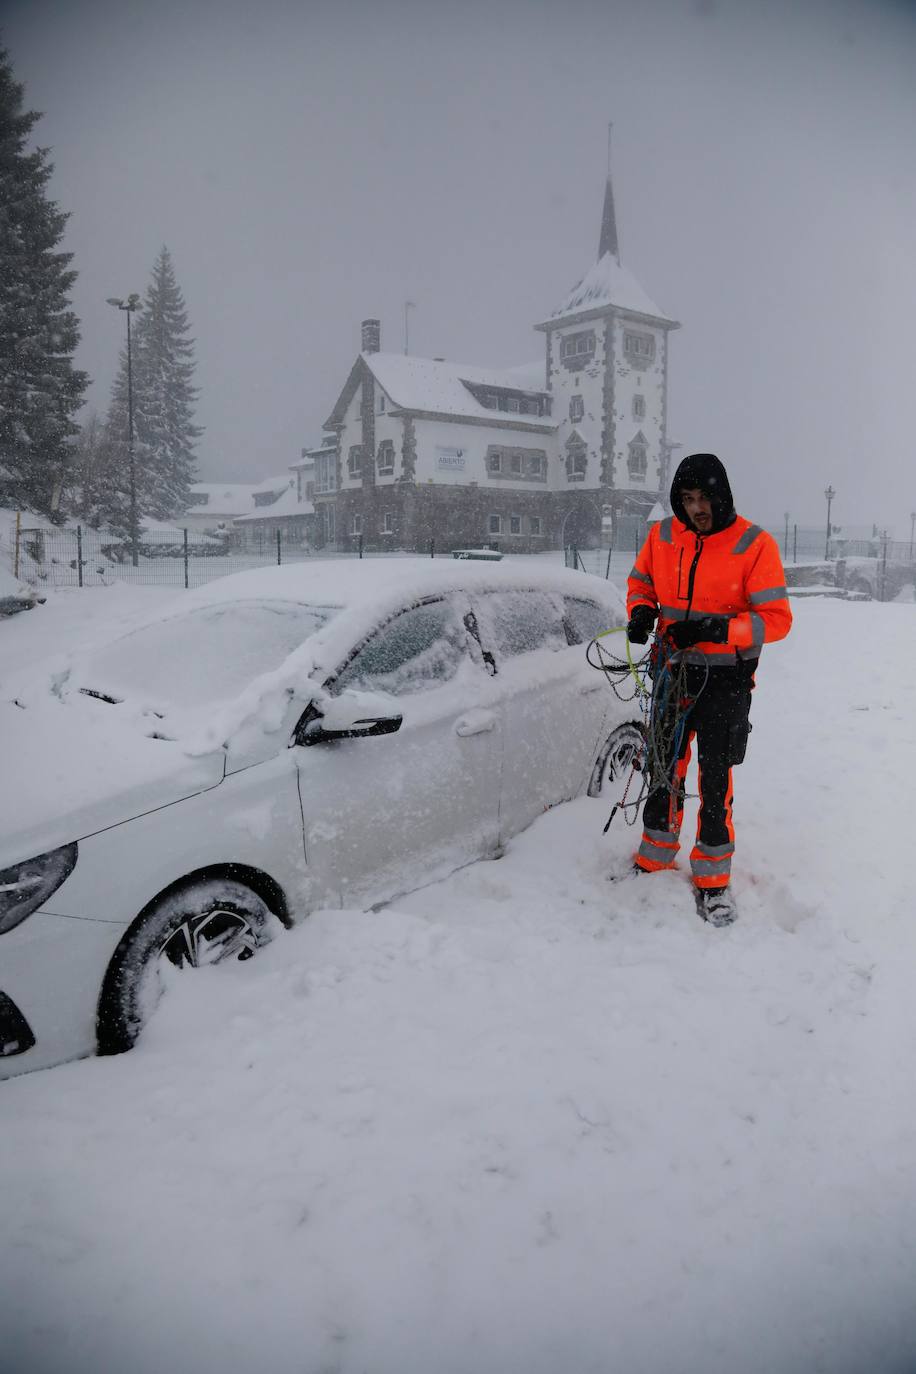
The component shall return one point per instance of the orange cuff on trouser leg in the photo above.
(658, 850)
(711, 864)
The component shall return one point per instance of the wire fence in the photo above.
(83, 557)
(80, 556)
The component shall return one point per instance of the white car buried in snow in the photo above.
(323, 735)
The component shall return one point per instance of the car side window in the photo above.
(419, 648)
(584, 619)
(520, 622)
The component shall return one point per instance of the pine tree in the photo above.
(40, 390)
(162, 366)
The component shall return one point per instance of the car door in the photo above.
(383, 814)
(553, 703)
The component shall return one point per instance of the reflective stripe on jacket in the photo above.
(735, 572)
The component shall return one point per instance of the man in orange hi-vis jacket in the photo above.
(716, 585)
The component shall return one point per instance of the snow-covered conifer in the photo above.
(40, 390)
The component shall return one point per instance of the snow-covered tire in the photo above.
(622, 748)
(205, 923)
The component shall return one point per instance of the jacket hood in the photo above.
(705, 471)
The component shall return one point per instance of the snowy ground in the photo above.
(524, 1120)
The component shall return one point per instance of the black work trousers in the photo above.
(718, 720)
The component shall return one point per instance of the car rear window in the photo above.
(520, 622)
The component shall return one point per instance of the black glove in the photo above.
(640, 624)
(710, 629)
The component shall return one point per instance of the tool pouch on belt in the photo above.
(737, 740)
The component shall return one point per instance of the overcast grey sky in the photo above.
(311, 164)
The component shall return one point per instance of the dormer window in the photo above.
(355, 462)
(380, 404)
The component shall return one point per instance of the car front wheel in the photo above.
(622, 749)
(211, 922)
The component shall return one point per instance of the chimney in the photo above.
(372, 336)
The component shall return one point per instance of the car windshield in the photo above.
(208, 654)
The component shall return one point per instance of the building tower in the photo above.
(607, 372)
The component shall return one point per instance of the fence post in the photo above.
(882, 583)
(432, 548)
(185, 555)
(79, 555)
(279, 559)
(607, 571)
(794, 543)
(360, 546)
(18, 531)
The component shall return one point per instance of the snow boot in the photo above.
(716, 905)
(626, 870)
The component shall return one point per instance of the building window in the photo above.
(512, 404)
(326, 473)
(201, 498)
(495, 524)
(495, 461)
(536, 468)
(491, 400)
(534, 524)
(356, 524)
(386, 456)
(515, 524)
(639, 407)
(515, 461)
(380, 405)
(330, 521)
(637, 458)
(639, 348)
(355, 461)
(388, 522)
(576, 408)
(576, 459)
(578, 345)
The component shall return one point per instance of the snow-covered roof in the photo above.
(438, 388)
(223, 498)
(606, 284)
(277, 484)
(287, 504)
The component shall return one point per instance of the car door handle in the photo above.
(475, 723)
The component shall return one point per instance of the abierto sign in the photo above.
(449, 459)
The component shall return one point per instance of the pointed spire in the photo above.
(608, 242)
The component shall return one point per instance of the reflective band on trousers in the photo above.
(657, 853)
(711, 868)
(714, 851)
(664, 837)
(768, 594)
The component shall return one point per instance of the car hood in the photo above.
(71, 771)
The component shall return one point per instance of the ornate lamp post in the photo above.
(829, 494)
(129, 306)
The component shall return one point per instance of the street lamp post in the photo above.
(129, 306)
(830, 494)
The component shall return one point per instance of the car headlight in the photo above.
(25, 886)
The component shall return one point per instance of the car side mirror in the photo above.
(352, 715)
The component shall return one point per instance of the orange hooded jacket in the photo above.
(735, 571)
